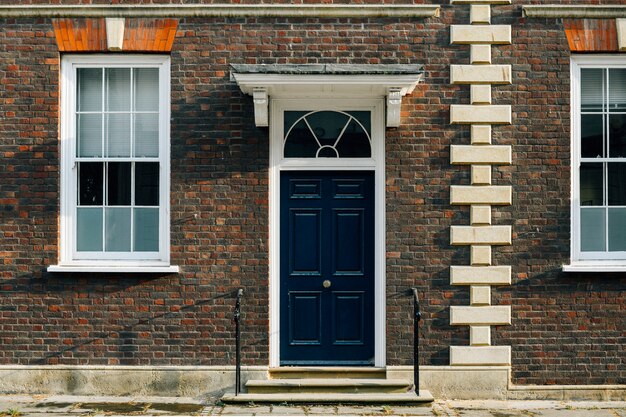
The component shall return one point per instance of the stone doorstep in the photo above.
(328, 385)
(330, 398)
(299, 372)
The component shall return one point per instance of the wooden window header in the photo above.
(139, 35)
(591, 35)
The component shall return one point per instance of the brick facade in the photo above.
(567, 328)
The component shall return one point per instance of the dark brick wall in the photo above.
(567, 328)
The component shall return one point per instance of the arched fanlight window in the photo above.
(327, 134)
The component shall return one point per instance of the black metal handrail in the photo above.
(417, 316)
(236, 317)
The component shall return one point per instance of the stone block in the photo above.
(480, 54)
(480, 74)
(489, 114)
(480, 255)
(481, 134)
(481, 34)
(480, 295)
(480, 94)
(480, 235)
(481, 194)
(480, 275)
(481, 174)
(480, 335)
(480, 14)
(480, 214)
(489, 154)
(485, 315)
(480, 355)
(621, 33)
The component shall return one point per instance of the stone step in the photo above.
(328, 385)
(327, 372)
(327, 398)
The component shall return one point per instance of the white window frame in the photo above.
(69, 261)
(586, 261)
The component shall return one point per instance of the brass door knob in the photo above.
(326, 283)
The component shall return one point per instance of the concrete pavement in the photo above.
(57, 406)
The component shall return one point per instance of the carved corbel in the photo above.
(261, 102)
(394, 102)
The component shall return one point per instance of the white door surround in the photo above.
(375, 88)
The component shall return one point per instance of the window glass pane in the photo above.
(327, 134)
(146, 229)
(89, 134)
(364, 118)
(592, 135)
(592, 87)
(617, 229)
(146, 135)
(118, 89)
(300, 142)
(617, 135)
(147, 184)
(291, 117)
(88, 229)
(146, 89)
(118, 183)
(118, 134)
(354, 142)
(617, 184)
(592, 229)
(617, 89)
(90, 183)
(591, 184)
(89, 89)
(117, 229)
(327, 125)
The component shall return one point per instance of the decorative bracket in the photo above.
(394, 101)
(261, 102)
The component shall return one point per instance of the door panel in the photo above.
(348, 252)
(327, 268)
(305, 317)
(305, 253)
(348, 315)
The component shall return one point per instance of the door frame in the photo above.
(376, 163)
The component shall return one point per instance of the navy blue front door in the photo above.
(327, 268)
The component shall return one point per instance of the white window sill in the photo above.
(172, 269)
(595, 267)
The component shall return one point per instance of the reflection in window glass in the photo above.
(617, 184)
(118, 183)
(592, 87)
(117, 229)
(592, 135)
(591, 184)
(617, 89)
(617, 135)
(147, 184)
(592, 229)
(617, 229)
(89, 229)
(90, 183)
